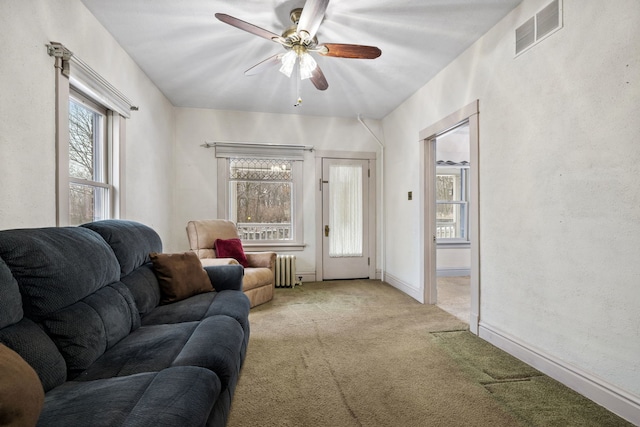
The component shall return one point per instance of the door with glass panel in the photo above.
(345, 219)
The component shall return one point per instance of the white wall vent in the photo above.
(544, 23)
(525, 35)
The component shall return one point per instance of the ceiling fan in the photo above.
(299, 41)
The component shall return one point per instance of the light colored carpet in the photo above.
(454, 296)
(361, 353)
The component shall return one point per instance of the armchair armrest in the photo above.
(207, 262)
(225, 277)
(261, 259)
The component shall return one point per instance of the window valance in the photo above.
(258, 150)
(87, 80)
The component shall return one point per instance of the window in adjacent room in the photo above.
(261, 191)
(452, 205)
(452, 186)
(89, 188)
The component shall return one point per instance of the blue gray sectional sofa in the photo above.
(82, 306)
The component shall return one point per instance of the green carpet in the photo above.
(362, 353)
(533, 398)
(484, 362)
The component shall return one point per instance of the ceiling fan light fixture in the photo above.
(288, 62)
(300, 40)
(307, 65)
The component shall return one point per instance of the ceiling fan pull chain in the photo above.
(298, 81)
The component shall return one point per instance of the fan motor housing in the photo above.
(291, 33)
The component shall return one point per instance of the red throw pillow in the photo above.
(231, 248)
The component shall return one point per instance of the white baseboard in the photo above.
(449, 272)
(621, 403)
(307, 276)
(404, 287)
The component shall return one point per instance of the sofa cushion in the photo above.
(229, 303)
(180, 276)
(214, 343)
(11, 300)
(86, 329)
(143, 285)
(56, 267)
(233, 304)
(131, 241)
(68, 278)
(21, 393)
(180, 396)
(33, 345)
(231, 248)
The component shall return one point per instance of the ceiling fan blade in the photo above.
(349, 51)
(311, 17)
(318, 79)
(270, 62)
(250, 28)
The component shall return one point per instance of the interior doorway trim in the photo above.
(427, 139)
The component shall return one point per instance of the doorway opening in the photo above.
(453, 257)
(450, 215)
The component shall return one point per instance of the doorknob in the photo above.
(326, 231)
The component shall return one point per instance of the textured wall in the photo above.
(559, 198)
(27, 114)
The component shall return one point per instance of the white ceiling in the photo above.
(198, 61)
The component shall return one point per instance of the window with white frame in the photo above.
(452, 203)
(89, 187)
(90, 136)
(261, 191)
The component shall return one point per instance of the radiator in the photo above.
(285, 271)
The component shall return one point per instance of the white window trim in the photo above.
(226, 150)
(71, 71)
(456, 242)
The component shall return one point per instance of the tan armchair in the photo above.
(259, 276)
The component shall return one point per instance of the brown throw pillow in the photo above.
(21, 393)
(180, 276)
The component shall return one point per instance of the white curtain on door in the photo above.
(345, 216)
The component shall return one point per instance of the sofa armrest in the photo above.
(225, 277)
(261, 259)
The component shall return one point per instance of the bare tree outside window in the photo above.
(263, 195)
(444, 192)
(84, 135)
(81, 136)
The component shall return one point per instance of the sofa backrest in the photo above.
(10, 298)
(25, 337)
(132, 243)
(69, 281)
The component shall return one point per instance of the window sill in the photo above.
(460, 244)
(272, 247)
